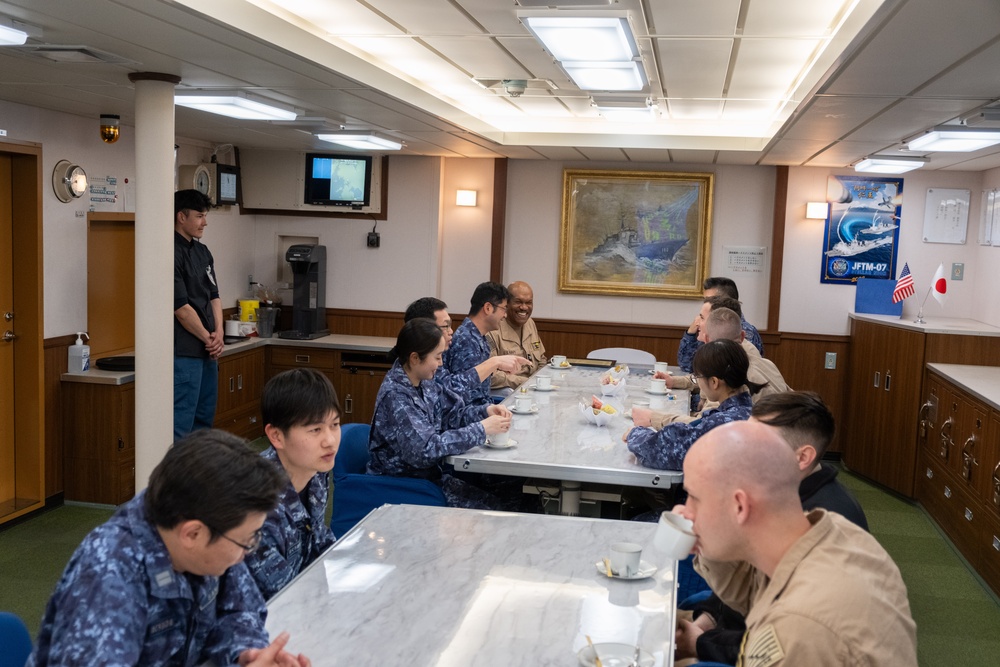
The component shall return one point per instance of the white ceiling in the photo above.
(872, 74)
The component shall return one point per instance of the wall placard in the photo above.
(745, 259)
(946, 215)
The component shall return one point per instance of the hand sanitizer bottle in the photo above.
(79, 354)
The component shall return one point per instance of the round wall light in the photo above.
(69, 181)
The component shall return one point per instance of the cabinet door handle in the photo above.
(302, 358)
(121, 444)
(878, 380)
(232, 385)
(888, 380)
(348, 404)
(239, 381)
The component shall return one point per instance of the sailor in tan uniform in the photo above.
(816, 589)
(518, 336)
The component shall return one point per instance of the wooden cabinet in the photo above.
(99, 437)
(884, 398)
(356, 376)
(959, 476)
(241, 380)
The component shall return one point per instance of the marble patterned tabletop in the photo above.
(555, 441)
(420, 586)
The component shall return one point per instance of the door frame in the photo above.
(28, 293)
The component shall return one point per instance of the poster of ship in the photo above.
(635, 233)
(862, 229)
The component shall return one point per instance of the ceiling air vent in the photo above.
(75, 54)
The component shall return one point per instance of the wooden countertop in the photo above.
(331, 342)
(983, 382)
(933, 325)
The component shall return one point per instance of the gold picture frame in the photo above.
(635, 233)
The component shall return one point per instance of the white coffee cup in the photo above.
(232, 328)
(657, 403)
(625, 558)
(660, 367)
(523, 403)
(658, 386)
(544, 381)
(500, 439)
(558, 359)
(674, 536)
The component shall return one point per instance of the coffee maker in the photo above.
(308, 262)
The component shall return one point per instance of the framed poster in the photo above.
(862, 228)
(635, 233)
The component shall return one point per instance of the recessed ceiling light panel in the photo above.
(954, 139)
(234, 105)
(568, 36)
(889, 164)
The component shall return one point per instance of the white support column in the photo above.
(154, 275)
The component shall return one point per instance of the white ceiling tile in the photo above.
(835, 116)
(910, 117)
(798, 18)
(766, 68)
(693, 68)
(705, 17)
(694, 109)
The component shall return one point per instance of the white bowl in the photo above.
(601, 418)
(612, 389)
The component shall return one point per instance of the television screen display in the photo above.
(338, 180)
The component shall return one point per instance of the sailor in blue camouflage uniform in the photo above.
(163, 582)
(720, 369)
(419, 422)
(302, 422)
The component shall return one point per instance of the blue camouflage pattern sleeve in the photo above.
(685, 352)
(456, 413)
(240, 615)
(666, 449)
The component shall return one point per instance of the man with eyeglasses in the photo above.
(468, 381)
(163, 581)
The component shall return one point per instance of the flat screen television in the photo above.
(338, 180)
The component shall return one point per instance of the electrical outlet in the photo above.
(830, 363)
(374, 240)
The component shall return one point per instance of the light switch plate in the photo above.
(957, 271)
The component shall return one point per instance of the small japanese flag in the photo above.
(940, 285)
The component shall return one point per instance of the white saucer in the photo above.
(552, 387)
(532, 411)
(613, 655)
(511, 442)
(657, 393)
(568, 365)
(646, 570)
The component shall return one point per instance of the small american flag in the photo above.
(904, 286)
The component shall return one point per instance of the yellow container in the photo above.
(248, 310)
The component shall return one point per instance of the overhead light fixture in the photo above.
(626, 76)
(954, 138)
(991, 115)
(361, 140)
(12, 36)
(69, 181)
(817, 210)
(628, 109)
(465, 198)
(110, 127)
(889, 164)
(570, 36)
(234, 105)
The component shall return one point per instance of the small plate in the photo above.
(532, 411)
(657, 393)
(646, 570)
(511, 442)
(552, 387)
(613, 655)
(566, 365)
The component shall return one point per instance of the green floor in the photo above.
(957, 618)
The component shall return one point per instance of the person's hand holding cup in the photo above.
(675, 536)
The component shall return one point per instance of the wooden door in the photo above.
(7, 490)
(864, 399)
(902, 354)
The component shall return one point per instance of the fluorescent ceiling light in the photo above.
(626, 109)
(889, 164)
(583, 37)
(233, 104)
(12, 36)
(951, 138)
(362, 140)
(627, 76)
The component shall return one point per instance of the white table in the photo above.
(418, 586)
(558, 443)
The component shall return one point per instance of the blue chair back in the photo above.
(15, 640)
(352, 456)
(689, 582)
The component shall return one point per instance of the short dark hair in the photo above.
(722, 359)
(720, 301)
(723, 285)
(420, 335)
(494, 293)
(801, 416)
(213, 477)
(298, 397)
(191, 200)
(424, 307)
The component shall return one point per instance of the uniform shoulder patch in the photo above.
(762, 649)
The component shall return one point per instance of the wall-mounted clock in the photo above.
(218, 182)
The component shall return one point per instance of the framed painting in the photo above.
(635, 233)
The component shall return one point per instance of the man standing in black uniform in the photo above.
(197, 317)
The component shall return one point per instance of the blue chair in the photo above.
(689, 582)
(15, 640)
(356, 494)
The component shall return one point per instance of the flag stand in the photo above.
(920, 314)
